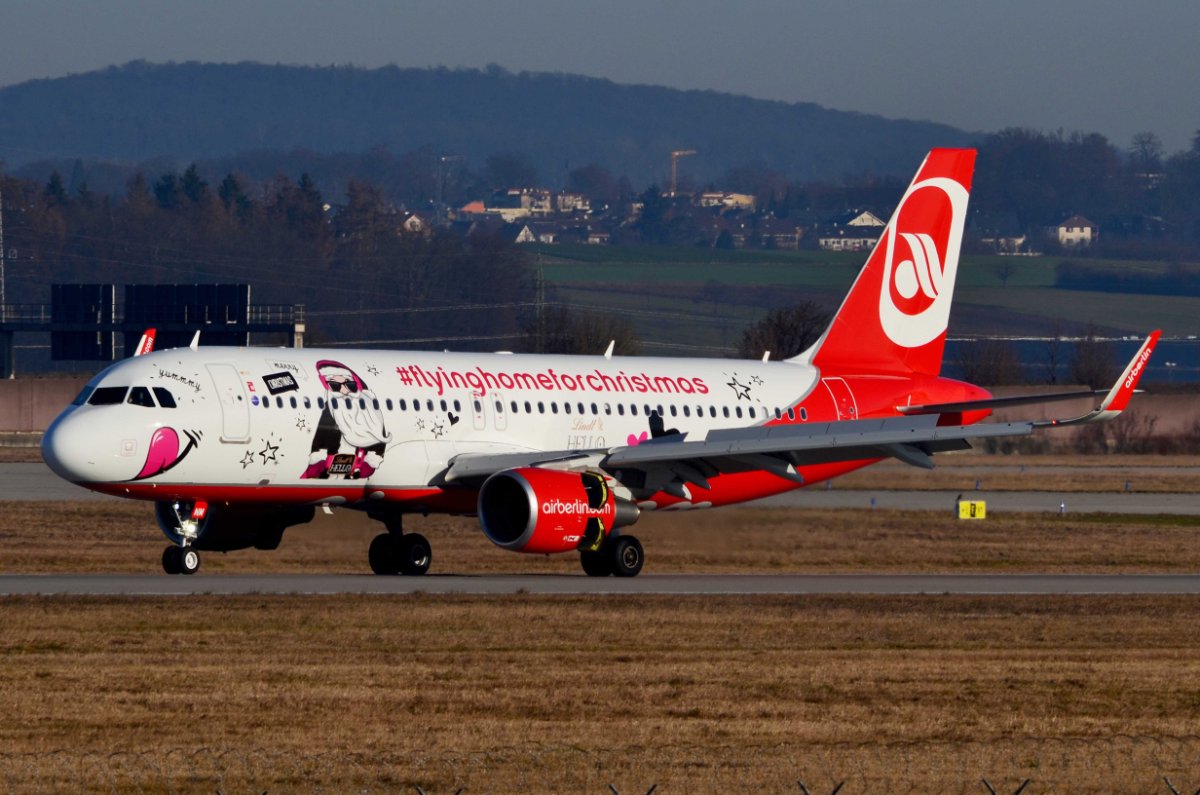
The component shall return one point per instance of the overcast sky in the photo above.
(1109, 66)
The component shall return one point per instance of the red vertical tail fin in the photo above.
(894, 319)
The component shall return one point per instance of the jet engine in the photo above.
(223, 527)
(546, 510)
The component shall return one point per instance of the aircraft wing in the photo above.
(674, 459)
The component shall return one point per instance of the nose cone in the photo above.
(65, 448)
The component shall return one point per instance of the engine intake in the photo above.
(546, 510)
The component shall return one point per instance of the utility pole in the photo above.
(440, 211)
(678, 153)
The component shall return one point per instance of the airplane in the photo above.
(553, 454)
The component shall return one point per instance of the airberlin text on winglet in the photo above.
(480, 381)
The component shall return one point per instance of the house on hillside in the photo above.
(1075, 231)
(1000, 232)
(854, 230)
(727, 201)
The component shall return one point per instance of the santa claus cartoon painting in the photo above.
(351, 438)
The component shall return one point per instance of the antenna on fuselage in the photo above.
(766, 355)
(195, 341)
(608, 353)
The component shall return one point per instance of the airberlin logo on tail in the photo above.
(921, 259)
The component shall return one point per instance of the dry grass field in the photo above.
(544, 694)
(573, 694)
(120, 536)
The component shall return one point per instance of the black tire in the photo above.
(384, 554)
(626, 556)
(189, 560)
(596, 564)
(415, 554)
(170, 560)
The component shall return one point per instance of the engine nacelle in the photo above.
(224, 527)
(547, 510)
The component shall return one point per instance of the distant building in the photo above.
(729, 201)
(854, 230)
(1001, 232)
(1075, 231)
(569, 203)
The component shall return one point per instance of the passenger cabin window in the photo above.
(292, 401)
(165, 398)
(108, 396)
(791, 414)
(140, 396)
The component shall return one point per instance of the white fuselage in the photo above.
(342, 425)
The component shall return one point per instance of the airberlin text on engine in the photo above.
(562, 507)
(479, 381)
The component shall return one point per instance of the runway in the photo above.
(154, 585)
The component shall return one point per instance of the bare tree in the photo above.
(991, 362)
(785, 332)
(1094, 363)
(557, 329)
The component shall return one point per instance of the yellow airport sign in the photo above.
(972, 509)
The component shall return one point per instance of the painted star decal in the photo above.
(268, 451)
(372, 369)
(438, 429)
(420, 425)
(739, 389)
(756, 380)
(301, 423)
(247, 459)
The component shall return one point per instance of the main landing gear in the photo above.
(397, 552)
(620, 556)
(180, 560)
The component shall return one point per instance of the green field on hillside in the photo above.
(686, 298)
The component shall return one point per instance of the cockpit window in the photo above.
(165, 398)
(140, 396)
(108, 396)
(83, 396)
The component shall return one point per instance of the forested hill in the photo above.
(195, 111)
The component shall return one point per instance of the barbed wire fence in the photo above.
(1166, 765)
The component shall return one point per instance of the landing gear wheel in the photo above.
(626, 556)
(596, 564)
(170, 560)
(180, 560)
(189, 560)
(415, 554)
(384, 554)
(392, 554)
